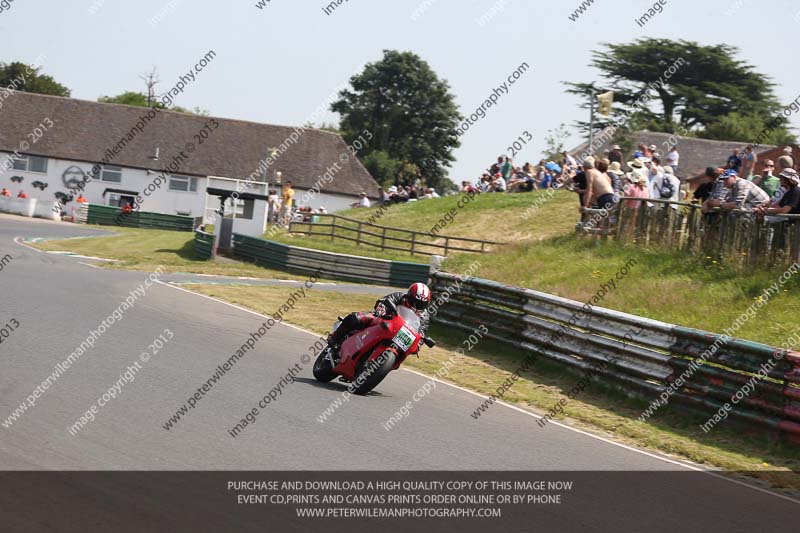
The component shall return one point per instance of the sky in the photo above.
(278, 64)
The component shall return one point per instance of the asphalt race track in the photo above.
(57, 301)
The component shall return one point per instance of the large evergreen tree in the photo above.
(666, 85)
(411, 114)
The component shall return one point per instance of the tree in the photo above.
(665, 85)
(743, 126)
(410, 112)
(141, 100)
(28, 78)
(127, 98)
(555, 139)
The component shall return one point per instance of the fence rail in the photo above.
(387, 238)
(330, 265)
(642, 357)
(113, 216)
(736, 236)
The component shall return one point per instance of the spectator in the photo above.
(744, 194)
(412, 192)
(598, 190)
(615, 173)
(498, 184)
(402, 194)
(653, 149)
(287, 195)
(81, 200)
(494, 169)
(749, 160)
(767, 181)
(637, 188)
(654, 174)
(5, 192)
(273, 205)
(517, 181)
(703, 191)
(363, 201)
(645, 151)
(670, 183)
(22, 194)
(506, 169)
(673, 159)
(569, 161)
(546, 181)
(789, 203)
(384, 197)
(786, 160)
(581, 180)
(430, 193)
(734, 161)
(615, 155)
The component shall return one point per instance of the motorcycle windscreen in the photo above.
(409, 317)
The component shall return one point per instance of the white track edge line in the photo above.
(519, 409)
(25, 245)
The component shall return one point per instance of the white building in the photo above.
(164, 161)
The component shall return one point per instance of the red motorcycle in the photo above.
(368, 355)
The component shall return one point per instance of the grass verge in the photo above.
(146, 249)
(675, 288)
(597, 409)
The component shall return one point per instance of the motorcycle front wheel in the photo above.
(372, 372)
(323, 371)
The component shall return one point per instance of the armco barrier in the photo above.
(640, 356)
(331, 265)
(203, 245)
(113, 216)
(29, 207)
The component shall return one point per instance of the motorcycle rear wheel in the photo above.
(372, 372)
(323, 371)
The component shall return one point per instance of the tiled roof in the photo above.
(85, 130)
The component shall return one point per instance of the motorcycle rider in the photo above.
(416, 298)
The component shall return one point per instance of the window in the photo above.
(244, 209)
(31, 163)
(110, 173)
(182, 183)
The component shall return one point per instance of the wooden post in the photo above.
(358, 235)
(446, 245)
(333, 227)
(413, 239)
(383, 239)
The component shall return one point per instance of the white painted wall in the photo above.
(163, 200)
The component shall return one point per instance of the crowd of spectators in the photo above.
(504, 176)
(601, 182)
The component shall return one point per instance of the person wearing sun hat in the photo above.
(636, 164)
(616, 155)
(789, 203)
(615, 173)
(637, 188)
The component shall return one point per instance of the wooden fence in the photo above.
(387, 238)
(733, 236)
